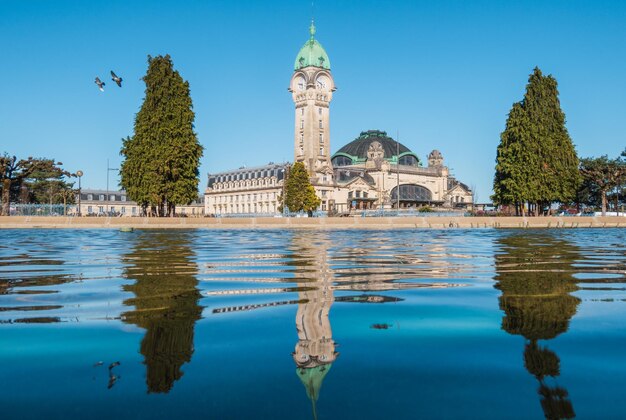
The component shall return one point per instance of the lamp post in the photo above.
(108, 197)
(79, 174)
(398, 170)
(283, 195)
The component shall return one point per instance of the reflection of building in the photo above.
(165, 304)
(315, 350)
(535, 277)
(368, 172)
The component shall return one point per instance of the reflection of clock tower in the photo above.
(312, 89)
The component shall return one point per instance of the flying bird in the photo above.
(100, 84)
(116, 79)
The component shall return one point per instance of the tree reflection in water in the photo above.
(534, 274)
(166, 303)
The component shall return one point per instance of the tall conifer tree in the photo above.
(299, 193)
(536, 160)
(160, 169)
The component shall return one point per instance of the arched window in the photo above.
(412, 192)
(341, 161)
(408, 160)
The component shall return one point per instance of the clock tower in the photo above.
(312, 88)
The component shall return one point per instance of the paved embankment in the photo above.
(30, 222)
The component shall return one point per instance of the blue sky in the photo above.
(442, 74)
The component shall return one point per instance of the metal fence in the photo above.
(410, 213)
(41, 210)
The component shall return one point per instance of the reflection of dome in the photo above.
(357, 150)
(312, 54)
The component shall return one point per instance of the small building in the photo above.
(117, 203)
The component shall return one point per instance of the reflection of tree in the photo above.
(166, 304)
(315, 350)
(535, 277)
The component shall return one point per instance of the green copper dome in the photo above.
(312, 53)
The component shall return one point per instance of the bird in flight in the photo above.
(100, 84)
(116, 79)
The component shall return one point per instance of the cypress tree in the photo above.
(160, 169)
(536, 160)
(299, 193)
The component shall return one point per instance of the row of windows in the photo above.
(321, 151)
(246, 208)
(112, 209)
(319, 111)
(253, 183)
(248, 175)
(245, 197)
(101, 197)
(321, 124)
(357, 194)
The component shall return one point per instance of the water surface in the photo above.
(304, 324)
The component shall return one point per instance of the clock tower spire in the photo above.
(312, 88)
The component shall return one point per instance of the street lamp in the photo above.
(79, 174)
(283, 195)
(109, 169)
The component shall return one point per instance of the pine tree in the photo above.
(536, 160)
(161, 163)
(601, 175)
(16, 173)
(299, 193)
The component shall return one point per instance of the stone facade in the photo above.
(245, 190)
(368, 173)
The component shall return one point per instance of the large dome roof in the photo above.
(312, 54)
(357, 149)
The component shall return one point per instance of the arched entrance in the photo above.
(411, 195)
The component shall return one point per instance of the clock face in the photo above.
(300, 83)
(322, 82)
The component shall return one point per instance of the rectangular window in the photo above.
(100, 209)
(301, 124)
(123, 198)
(182, 210)
(89, 209)
(350, 194)
(101, 197)
(301, 138)
(358, 194)
(324, 193)
(321, 126)
(133, 211)
(321, 151)
(111, 197)
(319, 111)
(89, 196)
(112, 209)
(123, 210)
(321, 138)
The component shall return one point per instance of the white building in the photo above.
(367, 173)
